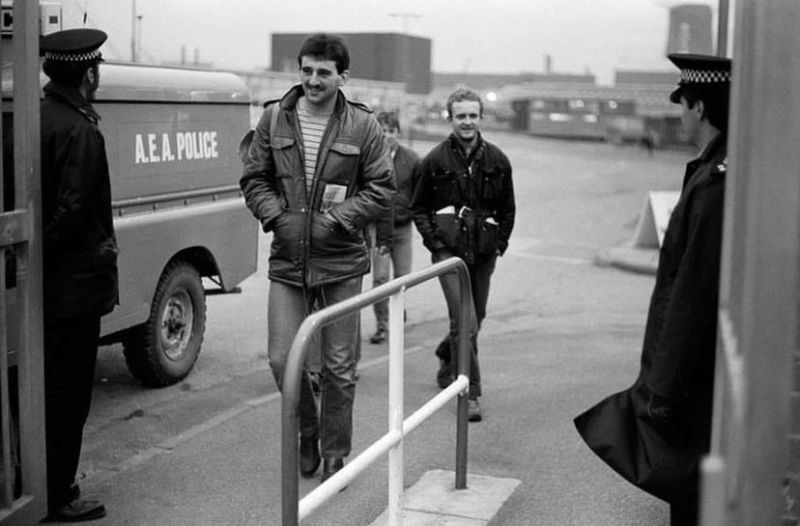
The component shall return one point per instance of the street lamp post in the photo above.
(133, 30)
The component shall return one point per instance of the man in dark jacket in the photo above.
(655, 433)
(463, 206)
(393, 247)
(317, 173)
(80, 256)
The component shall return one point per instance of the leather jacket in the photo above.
(465, 204)
(318, 233)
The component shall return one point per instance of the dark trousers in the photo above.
(480, 275)
(683, 511)
(69, 363)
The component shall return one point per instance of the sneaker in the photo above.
(474, 410)
(380, 335)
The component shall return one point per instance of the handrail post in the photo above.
(396, 406)
(290, 385)
(290, 394)
(464, 355)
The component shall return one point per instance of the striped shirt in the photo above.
(312, 126)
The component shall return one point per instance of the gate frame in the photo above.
(758, 307)
(20, 229)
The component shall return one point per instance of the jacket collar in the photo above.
(717, 144)
(289, 100)
(715, 149)
(457, 146)
(72, 98)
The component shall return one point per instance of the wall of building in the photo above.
(390, 57)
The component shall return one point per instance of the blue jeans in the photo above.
(480, 275)
(288, 307)
(400, 258)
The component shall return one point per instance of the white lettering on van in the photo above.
(151, 143)
(140, 155)
(189, 145)
(166, 149)
(181, 146)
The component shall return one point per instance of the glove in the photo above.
(383, 250)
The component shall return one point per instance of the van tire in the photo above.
(163, 350)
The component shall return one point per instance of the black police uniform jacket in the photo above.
(465, 204)
(318, 233)
(677, 361)
(79, 243)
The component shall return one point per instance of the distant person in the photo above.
(463, 206)
(393, 239)
(80, 257)
(649, 141)
(655, 433)
(317, 173)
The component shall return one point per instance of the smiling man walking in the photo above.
(317, 173)
(463, 206)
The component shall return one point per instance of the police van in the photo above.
(172, 138)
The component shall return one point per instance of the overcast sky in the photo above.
(510, 36)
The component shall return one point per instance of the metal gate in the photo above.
(758, 309)
(22, 446)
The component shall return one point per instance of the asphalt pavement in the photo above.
(564, 330)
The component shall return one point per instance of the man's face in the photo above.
(391, 133)
(465, 117)
(320, 80)
(690, 120)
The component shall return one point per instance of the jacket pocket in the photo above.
(445, 187)
(283, 156)
(328, 236)
(447, 229)
(491, 184)
(287, 237)
(487, 236)
(341, 164)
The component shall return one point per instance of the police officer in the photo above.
(80, 256)
(655, 432)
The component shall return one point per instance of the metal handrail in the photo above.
(296, 359)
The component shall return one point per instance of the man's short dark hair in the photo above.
(327, 47)
(389, 118)
(69, 73)
(462, 94)
(716, 102)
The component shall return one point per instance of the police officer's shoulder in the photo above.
(360, 105)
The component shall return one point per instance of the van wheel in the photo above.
(163, 350)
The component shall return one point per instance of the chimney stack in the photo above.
(690, 29)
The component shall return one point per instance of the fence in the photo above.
(392, 441)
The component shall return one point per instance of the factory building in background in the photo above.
(390, 57)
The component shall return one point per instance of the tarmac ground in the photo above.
(564, 330)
